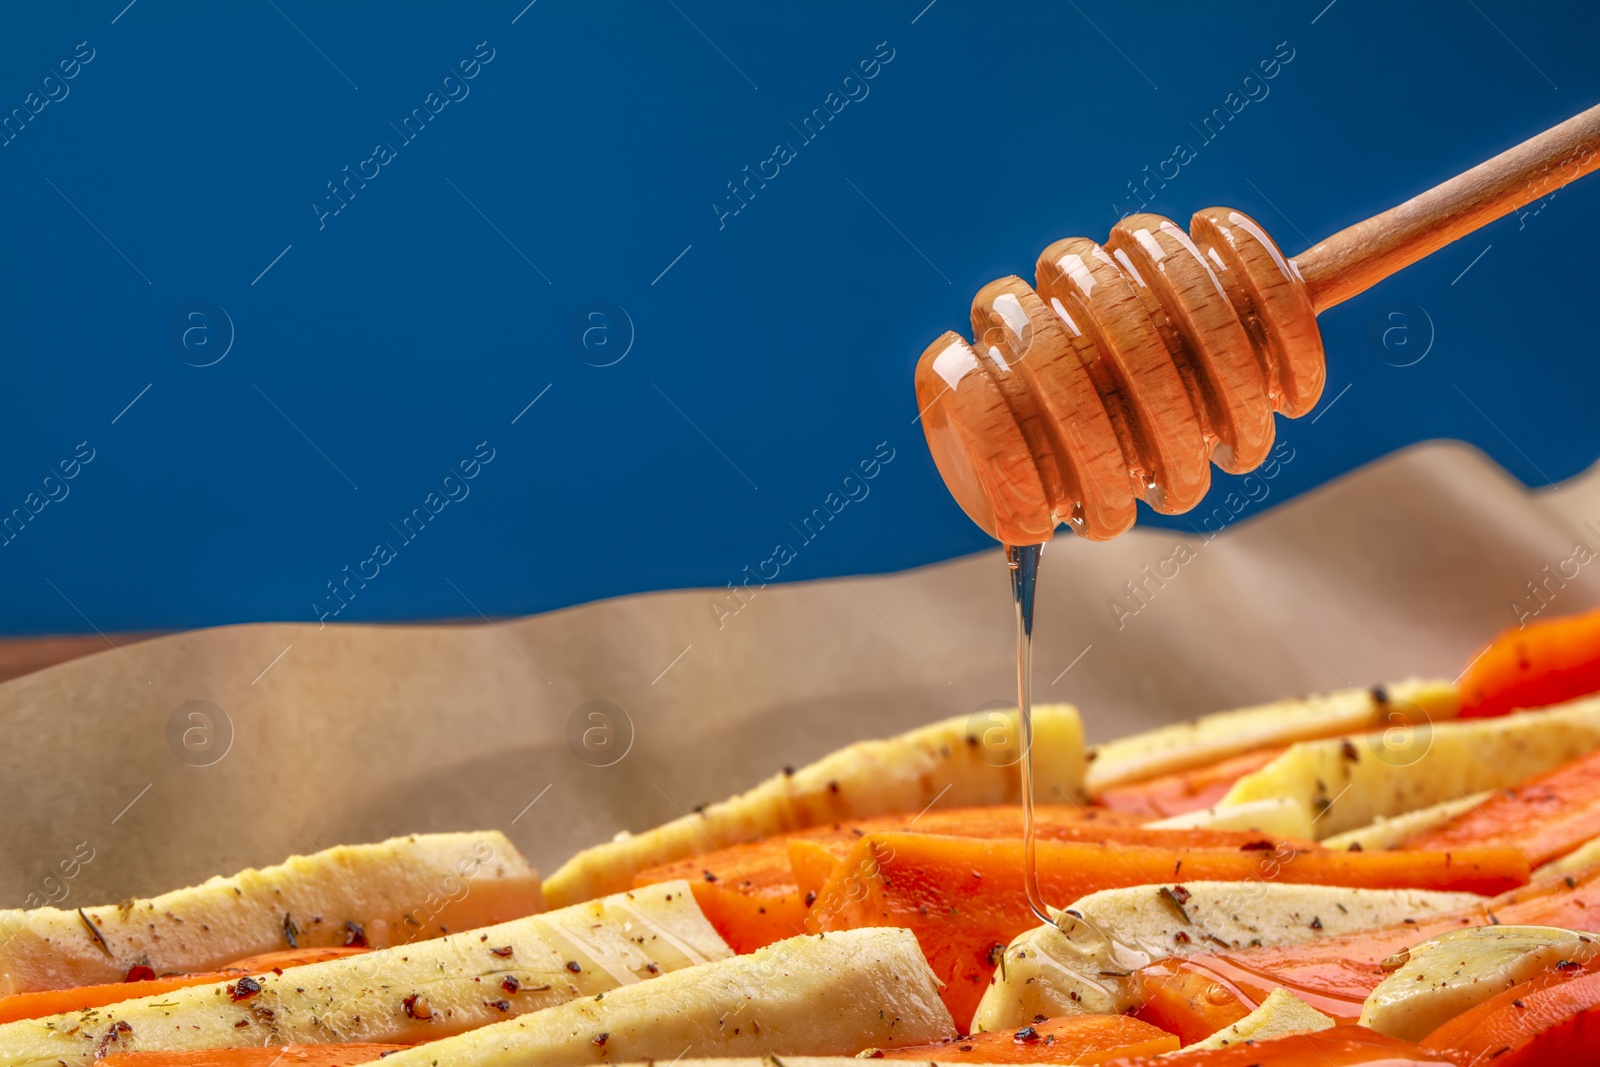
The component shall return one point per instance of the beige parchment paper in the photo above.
(357, 733)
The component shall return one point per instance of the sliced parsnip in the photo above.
(1347, 782)
(1585, 855)
(828, 995)
(1186, 745)
(1444, 976)
(1084, 964)
(958, 762)
(1280, 1015)
(401, 995)
(1386, 832)
(1276, 817)
(395, 891)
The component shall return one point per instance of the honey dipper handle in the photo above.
(1355, 259)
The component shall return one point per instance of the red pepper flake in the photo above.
(140, 972)
(118, 1028)
(503, 1005)
(601, 1038)
(1256, 846)
(504, 951)
(996, 951)
(1316, 923)
(1026, 1036)
(710, 877)
(417, 1007)
(811, 898)
(355, 935)
(510, 984)
(572, 965)
(244, 989)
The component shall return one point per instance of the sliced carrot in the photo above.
(1553, 1018)
(815, 856)
(1335, 975)
(812, 862)
(1167, 795)
(1084, 1039)
(1533, 666)
(1546, 817)
(756, 893)
(1343, 1046)
(747, 892)
(46, 1002)
(1190, 1003)
(43, 1003)
(964, 898)
(257, 1056)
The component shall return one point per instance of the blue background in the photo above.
(770, 353)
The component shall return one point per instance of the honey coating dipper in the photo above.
(1134, 365)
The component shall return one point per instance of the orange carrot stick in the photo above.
(747, 892)
(1080, 1039)
(1545, 817)
(270, 1056)
(47, 1002)
(759, 892)
(1194, 1004)
(756, 893)
(964, 897)
(814, 856)
(1542, 663)
(1167, 795)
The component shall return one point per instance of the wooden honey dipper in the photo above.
(1134, 365)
